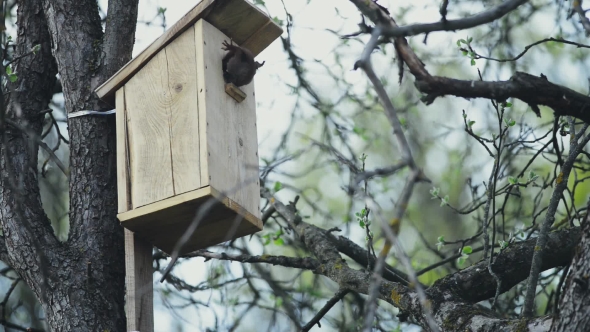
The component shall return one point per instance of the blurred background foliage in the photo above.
(320, 122)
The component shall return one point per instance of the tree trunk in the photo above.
(80, 283)
(574, 306)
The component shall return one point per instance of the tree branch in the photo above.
(119, 37)
(531, 89)
(582, 14)
(316, 319)
(475, 283)
(451, 298)
(453, 25)
(306, 263)
(28, 237)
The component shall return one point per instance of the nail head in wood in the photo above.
(234, 92)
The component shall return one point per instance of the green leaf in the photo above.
(278, 186)
(508, 104)
(470, 123)
(8, 70)
(161, 10)
(458, 43)
(473, 62)
(469, 40)
(434, 192)
(278, 21)
(461, 260)
(503, 244)
(512, 180)
(279, 242)
(532, 176)
(462, 41)
(467, 250)
(444, 201)
(12, 78)
(440, 243)
(362, 224)
(36, 48)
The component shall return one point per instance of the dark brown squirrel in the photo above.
(238, 64)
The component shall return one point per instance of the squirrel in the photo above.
(238, 64)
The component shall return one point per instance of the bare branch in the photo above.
(531, 89)
(453, 25)
(306, 263)
(582, 14)
(316, 319)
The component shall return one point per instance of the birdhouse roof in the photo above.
(240, 20)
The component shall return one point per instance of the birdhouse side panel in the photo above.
(148, 130)
(123, 177)
(184, 115)
(229, 129)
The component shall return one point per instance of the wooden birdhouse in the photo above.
(183, 142)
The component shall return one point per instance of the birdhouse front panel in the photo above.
(161, 106)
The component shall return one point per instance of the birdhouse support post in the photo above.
(139, 271)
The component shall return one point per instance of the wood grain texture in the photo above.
(232, 158)
(238, 19)
(123, 180)
(184, 115)
(164, 222)
(146, 100)
(235, 92)
(139, 284)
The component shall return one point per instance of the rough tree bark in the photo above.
(80, 283)
(574, 313)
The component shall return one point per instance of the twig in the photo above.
(316, 319)
(527, 48)
(582, 14)
(306, 263)
(560, 186)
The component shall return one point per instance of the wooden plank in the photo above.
(163, 223)
(123, 180)
(146, 100)
(184, 115)
(232, 14)
(235, 92)
(230, 131)
(263, 37)
(231, 227)
(105, 91)
(139, 304)
(165, 204)
(202, 102)
(239, 19)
